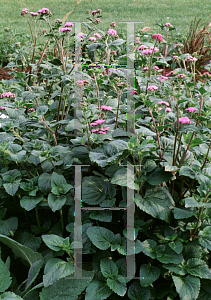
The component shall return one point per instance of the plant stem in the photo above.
(157, 133)
(62, 219)
(37, 216)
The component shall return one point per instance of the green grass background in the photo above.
(179, 12)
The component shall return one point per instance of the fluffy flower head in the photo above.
(191, 109)
(184, 120)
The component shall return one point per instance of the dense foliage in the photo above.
(46, 136)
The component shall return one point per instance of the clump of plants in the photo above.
(94, 169)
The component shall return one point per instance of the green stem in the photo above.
(62, 219)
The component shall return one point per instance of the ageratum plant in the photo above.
(55, 150)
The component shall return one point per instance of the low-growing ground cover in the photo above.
(105, 163)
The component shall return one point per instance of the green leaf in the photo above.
(5, 279)
(108, 268)
(59, 185)
(169, 256)
(205, 237)
(66, 289)
(122, 178)
(148, 248)
(137, 292)
(157, 203)
(198, 267)
(100, 237)
(148, 274)
(54, 242)
(56, 269)
(187, 171)
(97, 290)
(93, 190)
(44, 183)
(177, 246)
(187, 287)
(103, 216)
(118, 285)
(28, 203)
(9, 226)
(191, 202)
(149, 165)
(10, 296)
(34, 272)
(117, 42)
(41, 110)
(182, 213)
(205, 291)
(21, 251)
(56, 202)
(158, 176)
(29, 240)
(11, 181)
(177, 269)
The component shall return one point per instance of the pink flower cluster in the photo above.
(138, 42)
(181, 75)
(162, 78)
(150, 51)
(163, 102)
(93, 39)
(24, 11)
(34, 13)
(168, 25)
(168, 109)
(67, 27)
(31, 109)
(81, 82)
(101, 130)
(8, 94)
(113, 24)
(44, 11)
(113, 51)
(155, 68)
(172, 72)
(142, 47)
(184, 120)
(97, 35)
(97, 122)
(112, 31)
(106, 107)
(191, 58)
(191, 109)
(145, 68)
(152, 88)
(158, 36)
(94, 12)
(2, 107)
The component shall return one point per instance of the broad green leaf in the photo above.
(56, 202)
(198, 267)
(5, 279)
(205, 237)
(59, 185)
(67, 289)
(41, 110)
(148, 274)
(148, 248)
(10, 296)
(100, 237)
(103, 216)
(192, 250)
(29, 240)
(157, 203)
(117, 42)
(187, 287)
(158, 176)
(29, 203)
(170, 256)
(118, 285)
(33, 293)
(9, 226)
(149, 165)
(177, 246)
(205, 291)
(54, 242)
(21, 251)
(12, 181)
(123, 178)
(56, 269)
(137, 292)
(97, 290)
(108, 268)
(187, 171)
(93, 190)
(191, 202)
(177, 269)
(44, 183)
(182, 213)
(34, 272)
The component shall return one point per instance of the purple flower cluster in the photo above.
(152, 88)
(8, 94)
(67, 27)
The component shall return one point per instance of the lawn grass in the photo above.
(180, 12)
